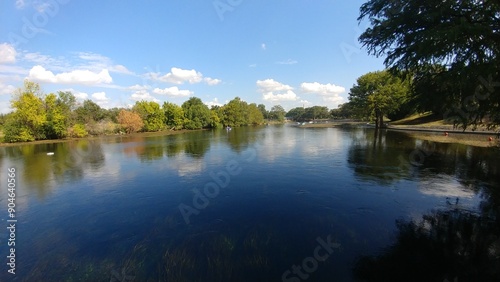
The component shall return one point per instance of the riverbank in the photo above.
(142, 134)
(422, 126)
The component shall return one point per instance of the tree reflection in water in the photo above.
(443, 245)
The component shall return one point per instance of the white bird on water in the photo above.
(50, 153)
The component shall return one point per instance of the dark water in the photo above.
(273, 203)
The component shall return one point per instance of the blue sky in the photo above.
(116, 52)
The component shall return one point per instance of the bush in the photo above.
(14, 132)
(78, 131)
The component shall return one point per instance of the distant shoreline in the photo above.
(430, 133)
(145, 134)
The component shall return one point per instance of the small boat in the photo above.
(50, 153)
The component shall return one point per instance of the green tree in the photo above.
(28, 119)
(255, 116)
(263, 110)
(377, 94)
(277, 113)
(344, 111)
(196, 113)
(89, 112)
(112, 114)
(151, 114)
(296, 114)
(461, 36)
(216, 117)
(316, 112)
(56, 125)
(174, 115)
(235, 113)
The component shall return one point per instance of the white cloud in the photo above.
(335, 100)
(288, 96)
(85, 77)
(252, 65)
(212, 81)
(101, 99)
(322, 89)
(59, 64)
(179, 76)
(214, 102)
(275, 91)
(120, 69)
(287, 62)
(263, 46)
(138, 87)
(6, 89)
(143, 95)
(100, 96)
(93, 61)
(172, 91)
(330, 93)
(305, 102)
(7, 54)
(270, 85)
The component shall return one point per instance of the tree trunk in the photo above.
(379, 120)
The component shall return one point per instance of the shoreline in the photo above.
(93, 137)
(429, 133)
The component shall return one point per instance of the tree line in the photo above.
(37, 116)
(441, 56)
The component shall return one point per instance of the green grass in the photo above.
(424, 119)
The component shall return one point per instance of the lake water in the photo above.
(274, 203)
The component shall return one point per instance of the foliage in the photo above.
(263, 110)
(450, 48)
(296, 114)
(174, 115)
(151, 114)
(254, 115)
(112, 114)
(316, 112)
(216, 117)
(57, 121)
(377, 94)
(277, 113)
(196, 113)
(344, 111)
(234, 113)
(130, 121)
(28, 119)
(89, 111)
(78, 131)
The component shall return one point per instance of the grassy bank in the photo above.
(426, 127)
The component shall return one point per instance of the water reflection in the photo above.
(451, 245)
(379, 156)
(40, 172)
(111, 206)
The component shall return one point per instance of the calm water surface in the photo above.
(274, 203)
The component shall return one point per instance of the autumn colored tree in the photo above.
(130, 121)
